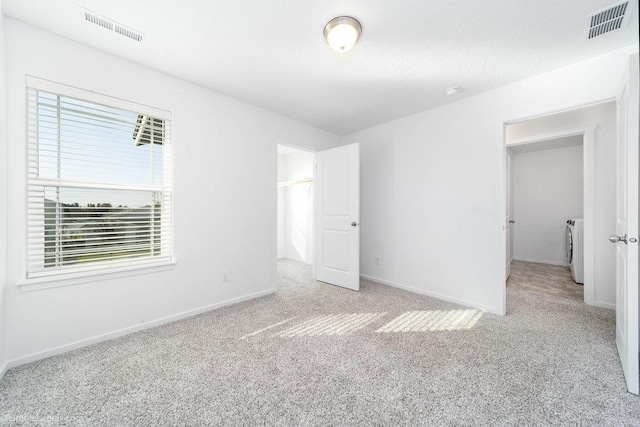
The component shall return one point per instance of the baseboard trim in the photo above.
(431, 294)
(604, 305)
(129, 330)
(540, 261)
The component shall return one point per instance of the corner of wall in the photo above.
(3, 195)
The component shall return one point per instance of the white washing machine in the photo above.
(575, 249)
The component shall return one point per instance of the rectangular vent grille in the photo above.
(110, 25)
(133, 35)
(608, 20)
(95, 19)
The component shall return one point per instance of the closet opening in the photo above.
(295, 215)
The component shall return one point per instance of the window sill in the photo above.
(68, 279)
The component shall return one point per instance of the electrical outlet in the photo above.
(225, 276)
(378, 260)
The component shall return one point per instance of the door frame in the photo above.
(274, 227)
(588, 204)
(502, 205)
(509, 212)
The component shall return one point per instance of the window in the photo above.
(99, 182)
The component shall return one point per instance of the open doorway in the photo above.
(558, 166)
(295, 213)
(547, 197)
(316, 233)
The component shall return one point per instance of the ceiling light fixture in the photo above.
(452, 91)
(342, 33)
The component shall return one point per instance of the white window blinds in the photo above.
(99, 185)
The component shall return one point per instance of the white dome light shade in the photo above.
(342, 33)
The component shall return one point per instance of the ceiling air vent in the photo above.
(98, 20)
(606, 20)
(133, 35)
(110, 25)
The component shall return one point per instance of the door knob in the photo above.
(353, 224)
(512, 221)
(615, 239)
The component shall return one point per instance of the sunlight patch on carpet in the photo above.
(332, 324)
(433, 320)
(259, 331)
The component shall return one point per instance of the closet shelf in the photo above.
(294, 182)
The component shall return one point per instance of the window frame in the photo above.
(102, 269)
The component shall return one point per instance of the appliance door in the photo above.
(569, 246)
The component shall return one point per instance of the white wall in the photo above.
(296, 213)
(225, 162)
(547, 190)
(604, 117)
(432, 184)
(299, 165)
(3, 191)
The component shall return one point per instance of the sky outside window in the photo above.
(96, 146)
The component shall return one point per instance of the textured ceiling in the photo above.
(272, 54)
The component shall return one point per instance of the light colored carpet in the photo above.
(551, 279)
(315, 354)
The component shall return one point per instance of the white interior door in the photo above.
(337, 258)
(508, 214)
(626, 238)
